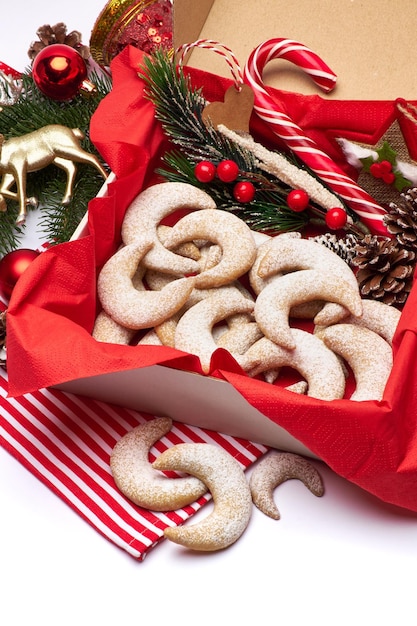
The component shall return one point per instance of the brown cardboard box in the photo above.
(370, 45)
(353, 38)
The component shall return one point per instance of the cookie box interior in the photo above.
(344, 35)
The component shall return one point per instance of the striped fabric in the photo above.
(66, 442)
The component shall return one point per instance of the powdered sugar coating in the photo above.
(232, 234)
(287, 254)
(274, 469)
(194, 329)
(149, 208)
(368, 354)
(318, 365)
(108, 331)
(239, 337)
(129, 306)
(139, 481)
(225, 480)
(379, 317)
(274, 303)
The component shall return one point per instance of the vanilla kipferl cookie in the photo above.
(149, 208)
(317, 364)
(108, 331)
(369, 356)
(233, 236)
(239, 337)
(225, 479)
(139, 481)
(379, 317)
(288, 254)
(193, 333)
(274, 469)
(274, 303)
(137, 308)
(166, 330)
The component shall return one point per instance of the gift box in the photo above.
(54, 305)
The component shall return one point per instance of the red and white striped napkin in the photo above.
(66, 441)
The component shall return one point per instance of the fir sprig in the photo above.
(269, 212)
(179, 107)
(31, 111)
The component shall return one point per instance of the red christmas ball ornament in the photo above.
(205, 171)
(298, 200)
(227, 171)
(59, 71)
(336, 218)
(244, 191)
(12, 266)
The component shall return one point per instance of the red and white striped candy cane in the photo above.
(218, 48)
(294, 137)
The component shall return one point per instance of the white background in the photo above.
(342, 559)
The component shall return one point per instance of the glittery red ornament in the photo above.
(144, 24)
(59, 71)
(12, 266)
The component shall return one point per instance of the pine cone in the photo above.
(345, 248)
(401, 219)
(49, 35)
(385, 269)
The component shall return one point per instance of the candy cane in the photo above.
(219, 48)
(294, 137)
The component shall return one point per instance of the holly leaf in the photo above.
(386, 153)
(367, 162)
(400, 181)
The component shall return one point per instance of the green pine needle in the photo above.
(179, 107)
(32, 111)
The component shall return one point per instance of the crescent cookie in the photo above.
(368, 355)
(274, 303)
(132, 307)
(139, 481)
(231, 233)
(379, 317)
(188, 249)
(166, 330)
(318, 365)
(239, 337)
(225, 480)
(274, 469)
(108, 331)
(145, 213)
(288, 254)
(193, 333)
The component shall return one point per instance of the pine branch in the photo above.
(179, 108)
(268, 213)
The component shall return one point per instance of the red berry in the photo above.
(376, 170)
(227, 171)
(298, 200)
(385, 167)
(336, 218)
(205, 171)
(388, 177)
(244, 191)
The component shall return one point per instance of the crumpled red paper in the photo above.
(52, 310)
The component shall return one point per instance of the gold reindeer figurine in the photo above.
(31, 152)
